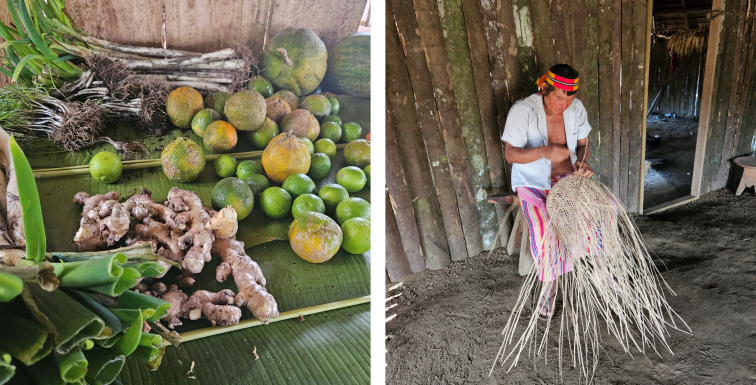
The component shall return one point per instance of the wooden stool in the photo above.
(749, 172)
(518, 241)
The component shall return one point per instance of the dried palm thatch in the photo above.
(686, 42)
(614, 284)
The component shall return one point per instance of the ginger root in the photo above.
(103, 222)
(218, 307)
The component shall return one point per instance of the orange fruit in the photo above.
(277, 108)
(220, 137)
(182, 104)
(183, 160)
(285, 155)
(315, 237)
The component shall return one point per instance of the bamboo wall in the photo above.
(454, 68)
(681, 93)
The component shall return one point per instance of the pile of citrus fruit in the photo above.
(298, 138)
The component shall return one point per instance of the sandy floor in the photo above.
(444, 326)
(672, 179)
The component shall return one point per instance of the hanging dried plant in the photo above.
(685, 42)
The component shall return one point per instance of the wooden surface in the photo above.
(397, 265)
(708, 93)
(199, 26)
(427, 113)
(331, 20)
(433, 42)
(411, 154)
(746, 161)
(133, 22)
(401, 204)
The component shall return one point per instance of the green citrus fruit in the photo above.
(183, 160)
(289, 97)
(275, 202)
(366, 170)
(310, 146)
(298, 184)
(352, 208)
(217, 101)
(261, 85)
(334, 105)
(317, 104)
(263, 135)
(332, 118)
(248, 167)
(235, 193)
(182, 104)
(225, 166)
(203, 119)
(352, 178)
(325, 146)
(305, 203)
(330, 130)
(352, 131)
(106, 167)
(356, 236)
(220, 137)
(357, 153)
(320, 165)
(315, 237)
(256, 182)
(332, 195)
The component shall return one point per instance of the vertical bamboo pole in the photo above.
(401, 203)
(434, 45)
(397, 265)
(416, 87)
(458, 51)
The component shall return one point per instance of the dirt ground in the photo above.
(443, 327)
(677, 149)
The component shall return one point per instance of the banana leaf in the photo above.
(328, 347)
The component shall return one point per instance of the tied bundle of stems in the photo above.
(686, 42)
(43, 47)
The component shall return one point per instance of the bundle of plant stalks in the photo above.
(686, 42)
(613, 285)
(35, 117)
(43, 47)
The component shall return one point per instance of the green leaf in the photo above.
(130, 340)
(104, 365)
(10, 286)
(73, 365)
(132, 300)
(6, 372)
(34, 228)
(29, 342)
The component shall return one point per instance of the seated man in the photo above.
(546, 138)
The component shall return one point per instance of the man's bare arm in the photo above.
(521, 155)
(583, 153)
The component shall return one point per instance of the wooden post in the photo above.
(509, 45)
(647, 58)
(525, 52)
(616, 94)
(403, 50)
(606, 90)
(485, 96)
(707, 97)
(458, 54)
(732, 130)
(718, 119)
(637, 107)
(626, 113)
(434, 43)
(748, 130)
(562, 52)
(397, 266)
(401, 203)
(411, 152)
(543, 39)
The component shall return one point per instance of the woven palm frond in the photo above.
(613, 286)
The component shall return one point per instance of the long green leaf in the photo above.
(13, 9)
(28, 342)
(6, 371)
(10, 286)
(92, 272)
(130, 340)
(112, 322)
(26, 59)
(104, 365)
(132, 300)
(34, 227)
(73, 365)
(34, 34)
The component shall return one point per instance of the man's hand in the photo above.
(556, 152)
(583, 169)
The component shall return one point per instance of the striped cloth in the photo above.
(533, 203)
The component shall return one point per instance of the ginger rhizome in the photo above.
(182, 230)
